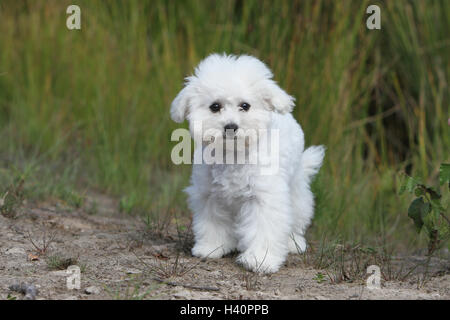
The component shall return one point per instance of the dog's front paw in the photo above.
(206, 251)
(262, 263)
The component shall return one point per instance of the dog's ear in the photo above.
(277, 99)
(180, 105)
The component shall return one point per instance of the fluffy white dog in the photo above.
(236, 206)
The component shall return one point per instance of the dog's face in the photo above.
(230, 95)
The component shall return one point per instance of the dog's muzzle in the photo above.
(230, 130)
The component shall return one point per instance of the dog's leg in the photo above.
(263, 227)
(212, 226)
(303, 210)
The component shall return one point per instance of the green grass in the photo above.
(59, 262)
(82, 110)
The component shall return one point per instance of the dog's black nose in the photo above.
(231, 126)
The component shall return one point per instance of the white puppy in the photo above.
(236, 206)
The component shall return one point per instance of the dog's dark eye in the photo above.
(215, 107)
(245, 106)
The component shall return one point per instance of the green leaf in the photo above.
(417, 211)
(419, 192)
(432, 192)
(409, 184)
(444, 173)
(436, 204)
(10, 297)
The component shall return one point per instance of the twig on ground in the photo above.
(189, 286)
(45, 243)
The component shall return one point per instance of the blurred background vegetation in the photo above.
(89, 110)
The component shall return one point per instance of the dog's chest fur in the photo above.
(233, 182)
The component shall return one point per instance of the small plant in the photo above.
(12, 199)
(93, 208)
(72, 198)
(157, 225)
(10, 297)
(251, 280)
(46, 242)
(134, 289)
(128, 203)
(427, 209)
(58, 262)
(185, 239)
(348, 262)
(166, 268)
(320, 277)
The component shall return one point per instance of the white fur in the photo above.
(234, 206)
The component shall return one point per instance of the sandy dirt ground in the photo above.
(121, 258)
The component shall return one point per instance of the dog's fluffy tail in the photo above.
(312, 160)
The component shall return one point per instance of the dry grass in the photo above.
(349, 262)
